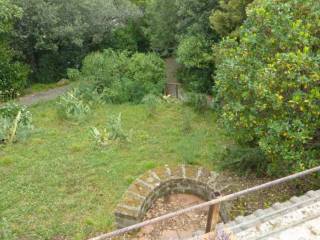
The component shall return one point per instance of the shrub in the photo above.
(13, 75)
(72, 107)
(195, 56)
(268, 83)
(121, 78)
(15, 123)
(112, 133)
(101, 137)
(194, 52)
(115, 129)
(244, 159)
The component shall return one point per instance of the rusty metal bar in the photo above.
(207, 204)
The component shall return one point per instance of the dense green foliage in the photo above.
(161, 17)
(120, 77)
(54, 35)
(268, 83)
(182, 27)
(195, 55)
(12, 73)
(229, 16)
(195, 37)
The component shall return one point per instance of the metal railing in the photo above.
(213, 205)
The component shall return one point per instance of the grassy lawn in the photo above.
(60, 185)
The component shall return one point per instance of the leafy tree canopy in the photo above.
(59, 33)
(267, 84)
(229, 16)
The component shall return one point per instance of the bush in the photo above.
(268, 83)
(121, 78)
(196, 79)
(72, 107)
(15, 123)
(195, 56)
(244, 159)
(13, 75)
(194, 52)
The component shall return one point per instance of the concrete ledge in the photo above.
(162, 182)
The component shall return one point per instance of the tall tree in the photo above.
(196, 37)
(56, 34)
(268, 83)
(161, 18)
(229, 16)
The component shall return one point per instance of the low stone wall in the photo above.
(161, 182)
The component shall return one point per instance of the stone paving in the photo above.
(297, 219)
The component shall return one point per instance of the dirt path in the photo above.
(172, 82)
(183, 227)
(43, 96)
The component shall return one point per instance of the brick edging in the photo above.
(160, 182)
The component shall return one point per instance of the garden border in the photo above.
(161, 182)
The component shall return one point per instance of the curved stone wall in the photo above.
(161, 182)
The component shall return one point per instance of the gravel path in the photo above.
(180, 228)
(43, 96)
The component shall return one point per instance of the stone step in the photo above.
(298, 218)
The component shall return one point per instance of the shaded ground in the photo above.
(173, 88)
(183, 227)
(43, 96)
(171, 70)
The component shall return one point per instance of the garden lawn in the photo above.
(60, 185)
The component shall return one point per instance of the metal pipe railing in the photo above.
(206, 204)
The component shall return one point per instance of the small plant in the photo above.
(112, 133)
(72, 107)
(101, 138)
(116, 131)
(15, 123)
(151, 103)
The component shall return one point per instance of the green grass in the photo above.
(40, 87)
(60, 185)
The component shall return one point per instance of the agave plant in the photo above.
(101, 138)
(113, 132)
(72, 107)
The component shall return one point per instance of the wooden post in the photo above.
(213, 217)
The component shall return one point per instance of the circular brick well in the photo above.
(161, 182)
